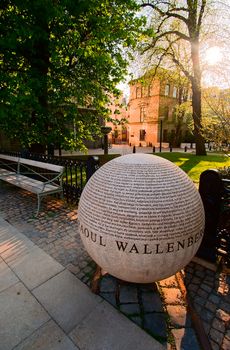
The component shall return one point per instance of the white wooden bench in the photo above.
(31, 176)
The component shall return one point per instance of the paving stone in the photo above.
(193, 287)
(151, 302)
(106, 328)
(108, 284)
(185, 338)
(202, 293)
(206, 327)
(147, 287)
(7, 277)
(179, 317)
(206, 315)
(110, 297)
(130, 309)
(216, 336)
(66, 299)
(214, 345)
(48, 337)
(198, 307)
(172, 295)
(199, 300)
(33, 267)
(205, 287)
(227, 334)
(226, 344)
(219, 325)
(210, 306)
(224, 316)
(137, 320)
(225, 306)
(196, 280)
(200, 274)
(155, 323)
(20, 315)
(169, 282)
(128, 293)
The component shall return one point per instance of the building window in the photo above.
(142, 135)
(175, 92)
(138, 92)
(150, 92)
(167, 88)
(142, 114)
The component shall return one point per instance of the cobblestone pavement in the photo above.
(161, 309)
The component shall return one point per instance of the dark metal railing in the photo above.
(215, 193)
(75, 176)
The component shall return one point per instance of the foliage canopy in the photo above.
(57, 56)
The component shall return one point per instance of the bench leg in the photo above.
(39, 204)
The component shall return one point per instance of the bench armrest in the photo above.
(52, 181)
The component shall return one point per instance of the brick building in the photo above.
(151, 111)
(119, 114)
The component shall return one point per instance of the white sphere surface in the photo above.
(141, 218)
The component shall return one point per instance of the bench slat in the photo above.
(31, 185)
(11, 158)
(42, 165)
(35, 163)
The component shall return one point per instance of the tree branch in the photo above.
(201, 14)
(175, 32)
(168, 13)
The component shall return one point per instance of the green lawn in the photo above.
(194, 165)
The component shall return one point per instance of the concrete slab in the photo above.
(66, 299)
(33, 266)
(179, 316)
(20, 316)
(107, 329)
(12, 240)
(7, 277)
(185, 338)
(48, 337)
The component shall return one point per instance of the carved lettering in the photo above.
(180, 245)
(170, 247)
(157, 249)
(190, 241)
(121, 245)
(134, 249)
(146, 249)
(101, 241)
(139, 248)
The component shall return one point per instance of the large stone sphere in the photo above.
(141, 218)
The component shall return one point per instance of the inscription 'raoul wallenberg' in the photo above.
(141, 218)
(140, 248)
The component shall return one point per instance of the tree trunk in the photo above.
(196, 99)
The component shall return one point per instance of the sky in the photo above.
(214, 51)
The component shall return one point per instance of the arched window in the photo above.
(175, 92)
(138, 92)
(167, 89)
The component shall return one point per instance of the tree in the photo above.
(57, 56)
(216, 112)
(177, 22)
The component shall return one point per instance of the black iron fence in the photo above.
(76, 174)
(215, 194)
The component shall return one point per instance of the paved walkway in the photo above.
(44, 306)
(123, 149)
(56, 302)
